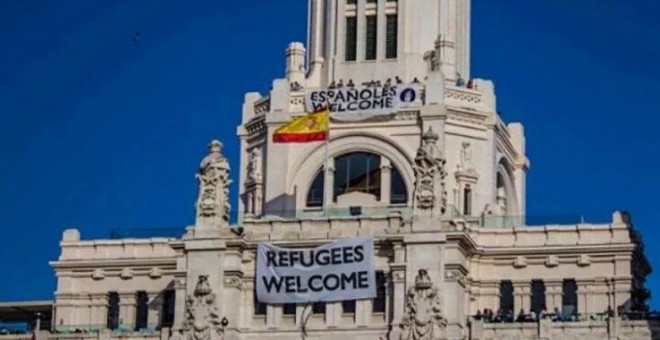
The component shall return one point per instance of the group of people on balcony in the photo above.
(507, 316)
(370, 84)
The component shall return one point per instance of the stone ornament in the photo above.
(254, 167)
(213, 178)
(202, 319)
(466, 157)
(423, 319)
(430, 194)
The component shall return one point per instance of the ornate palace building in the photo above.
(439, 183)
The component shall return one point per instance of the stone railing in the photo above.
(116, 249)
(262, 106)
(463, 97)
(611, 328)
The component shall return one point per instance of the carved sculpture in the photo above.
(466, 157)
(213, 178)
(254, 167)
(430, 192)
(423, 319)
(202, 320)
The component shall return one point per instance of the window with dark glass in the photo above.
(467, 201)
(318, 308)
(141, 310)
(372, 1)
(315, 193)
(391, 36)
(399, 192)
(351, 38)
(348, 307)
(506, 296)
(538, 296)
(357, 172)
(371, 38)
(289, 309)
(259, 308)
(569, 297)
(167, 312)
(381, 293)
(351, 2)
(113, 310)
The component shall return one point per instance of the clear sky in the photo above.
(98, 131)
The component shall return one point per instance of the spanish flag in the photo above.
(312, 127)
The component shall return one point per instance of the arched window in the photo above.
(358, 172)
(399, 192)
(467, 201)
(315, 193)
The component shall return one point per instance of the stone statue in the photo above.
(254, 167)
(466, 157)
(423, 319)
(429, 165)
(202, 320)
(213, 178)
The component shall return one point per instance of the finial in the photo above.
(430, 135)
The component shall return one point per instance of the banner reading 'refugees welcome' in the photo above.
(338, 271)
(359, 103)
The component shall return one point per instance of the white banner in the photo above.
(359, 103)
(338, 271)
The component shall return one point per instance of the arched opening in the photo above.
(359, 172)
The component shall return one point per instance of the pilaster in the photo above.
(127, 310)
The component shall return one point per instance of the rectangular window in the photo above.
(351, 38)
(289, 309)
(259, 308)
(467, 202)
(538, 296)
(372, 1)
(351, 2)
(348, 307)
(381, 293)
(318, 308)
(506, 296)
(392, 36)
(141, 310)
(113, 310)
(569, 299)
(371, 38)
(167, 318)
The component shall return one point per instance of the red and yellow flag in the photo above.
(312, 127)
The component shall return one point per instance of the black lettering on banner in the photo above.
(311, 283)
(314, 96)
(363, 280)
(270, 259)
(347, 253)
(301, 288)
(389, 103)
(290, 284)
(366, 94)
(352, 106)
(359, 253)
(294, 257)
(347, 279)
(340, 96)
(364, 105)
(336, 255)
(272, 282)
(328, 286)
(311, 259)
(284, 259)
(323, 257)
(352, 95)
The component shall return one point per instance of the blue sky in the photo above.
(99, 132)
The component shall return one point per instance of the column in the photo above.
(127, 310)
(521, 296)
(554, 295)
(155, 309)
(385, 180)
(179, 302)
(329, 183)
(583, 296)
(100, 314)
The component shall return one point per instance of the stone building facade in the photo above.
(440, 185)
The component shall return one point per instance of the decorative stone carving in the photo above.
(430, 194)
(98, 274)
(126, 274)
(423, 319)
(213, 178)
(255, 167)
(202, 320)
(466, 157)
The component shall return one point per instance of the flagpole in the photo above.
(327, 164)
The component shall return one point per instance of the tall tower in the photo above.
(449, 153)
(379, 39)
